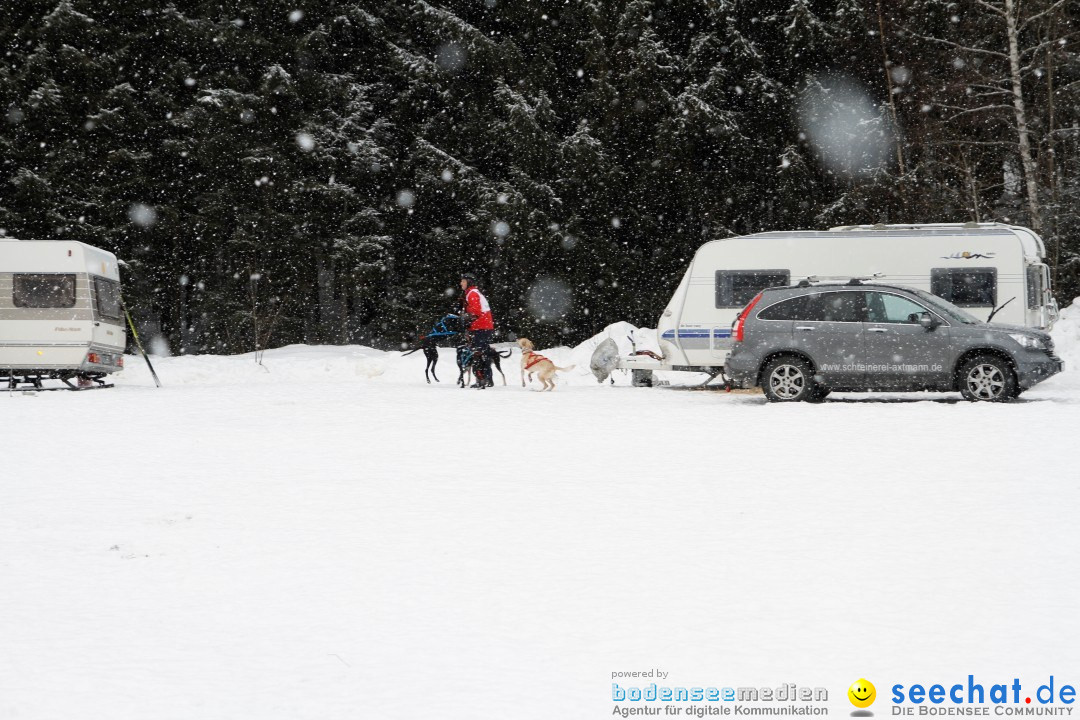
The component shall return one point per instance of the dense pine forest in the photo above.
(321, 171)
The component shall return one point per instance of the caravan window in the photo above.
(736, 288)
(107, 293)
(43, 291)
(966, 287)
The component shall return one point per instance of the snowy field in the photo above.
(327, 536)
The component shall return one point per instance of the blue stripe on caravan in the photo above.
(697, 333)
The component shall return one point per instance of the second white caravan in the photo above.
(61, 316)
(979, 267)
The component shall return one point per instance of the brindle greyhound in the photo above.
(465, 362)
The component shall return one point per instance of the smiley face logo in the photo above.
(862, 693)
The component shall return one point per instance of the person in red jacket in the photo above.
(481, 326)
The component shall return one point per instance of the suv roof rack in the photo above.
(851, 280)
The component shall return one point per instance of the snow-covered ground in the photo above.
(327, 536)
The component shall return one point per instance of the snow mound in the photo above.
(581, 354)
(620, 333)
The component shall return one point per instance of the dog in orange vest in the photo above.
(533, 362)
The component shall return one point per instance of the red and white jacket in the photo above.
(477, 306)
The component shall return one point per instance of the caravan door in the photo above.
(108, 315)
(1040, 303)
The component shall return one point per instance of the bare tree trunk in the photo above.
(973, 188)
(1020, 110)
(1051, 149)
(253, 286)
(892, 98)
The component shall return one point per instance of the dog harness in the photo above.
(536, 358)
(441, 329)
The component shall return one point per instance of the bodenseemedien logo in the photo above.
(702, 700)
(862, 695)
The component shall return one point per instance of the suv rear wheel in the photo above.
(987, 378)
(788, 379)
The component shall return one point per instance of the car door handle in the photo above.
(877, 330)
(804, 327)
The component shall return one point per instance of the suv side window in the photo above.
(790, 309)
(736, 288)
(889, 308)
(966, 287)
(843, 306)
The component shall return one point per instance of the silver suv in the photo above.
(800, 343)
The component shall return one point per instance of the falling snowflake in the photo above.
(142, 215)
(305, 142)
(549, 299)
(450, 57)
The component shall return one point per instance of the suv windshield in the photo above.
(946, 308)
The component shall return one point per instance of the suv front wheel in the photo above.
(788, 379)
(987, 378)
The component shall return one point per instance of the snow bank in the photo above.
(1066, 334)
(352, 363)
(292, 363)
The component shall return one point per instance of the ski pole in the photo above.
(135, 334)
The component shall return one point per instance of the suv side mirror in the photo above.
(928, 321)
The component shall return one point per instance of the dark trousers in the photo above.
(481, 361)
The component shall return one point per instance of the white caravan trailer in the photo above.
(60, 312)
(976, 266)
